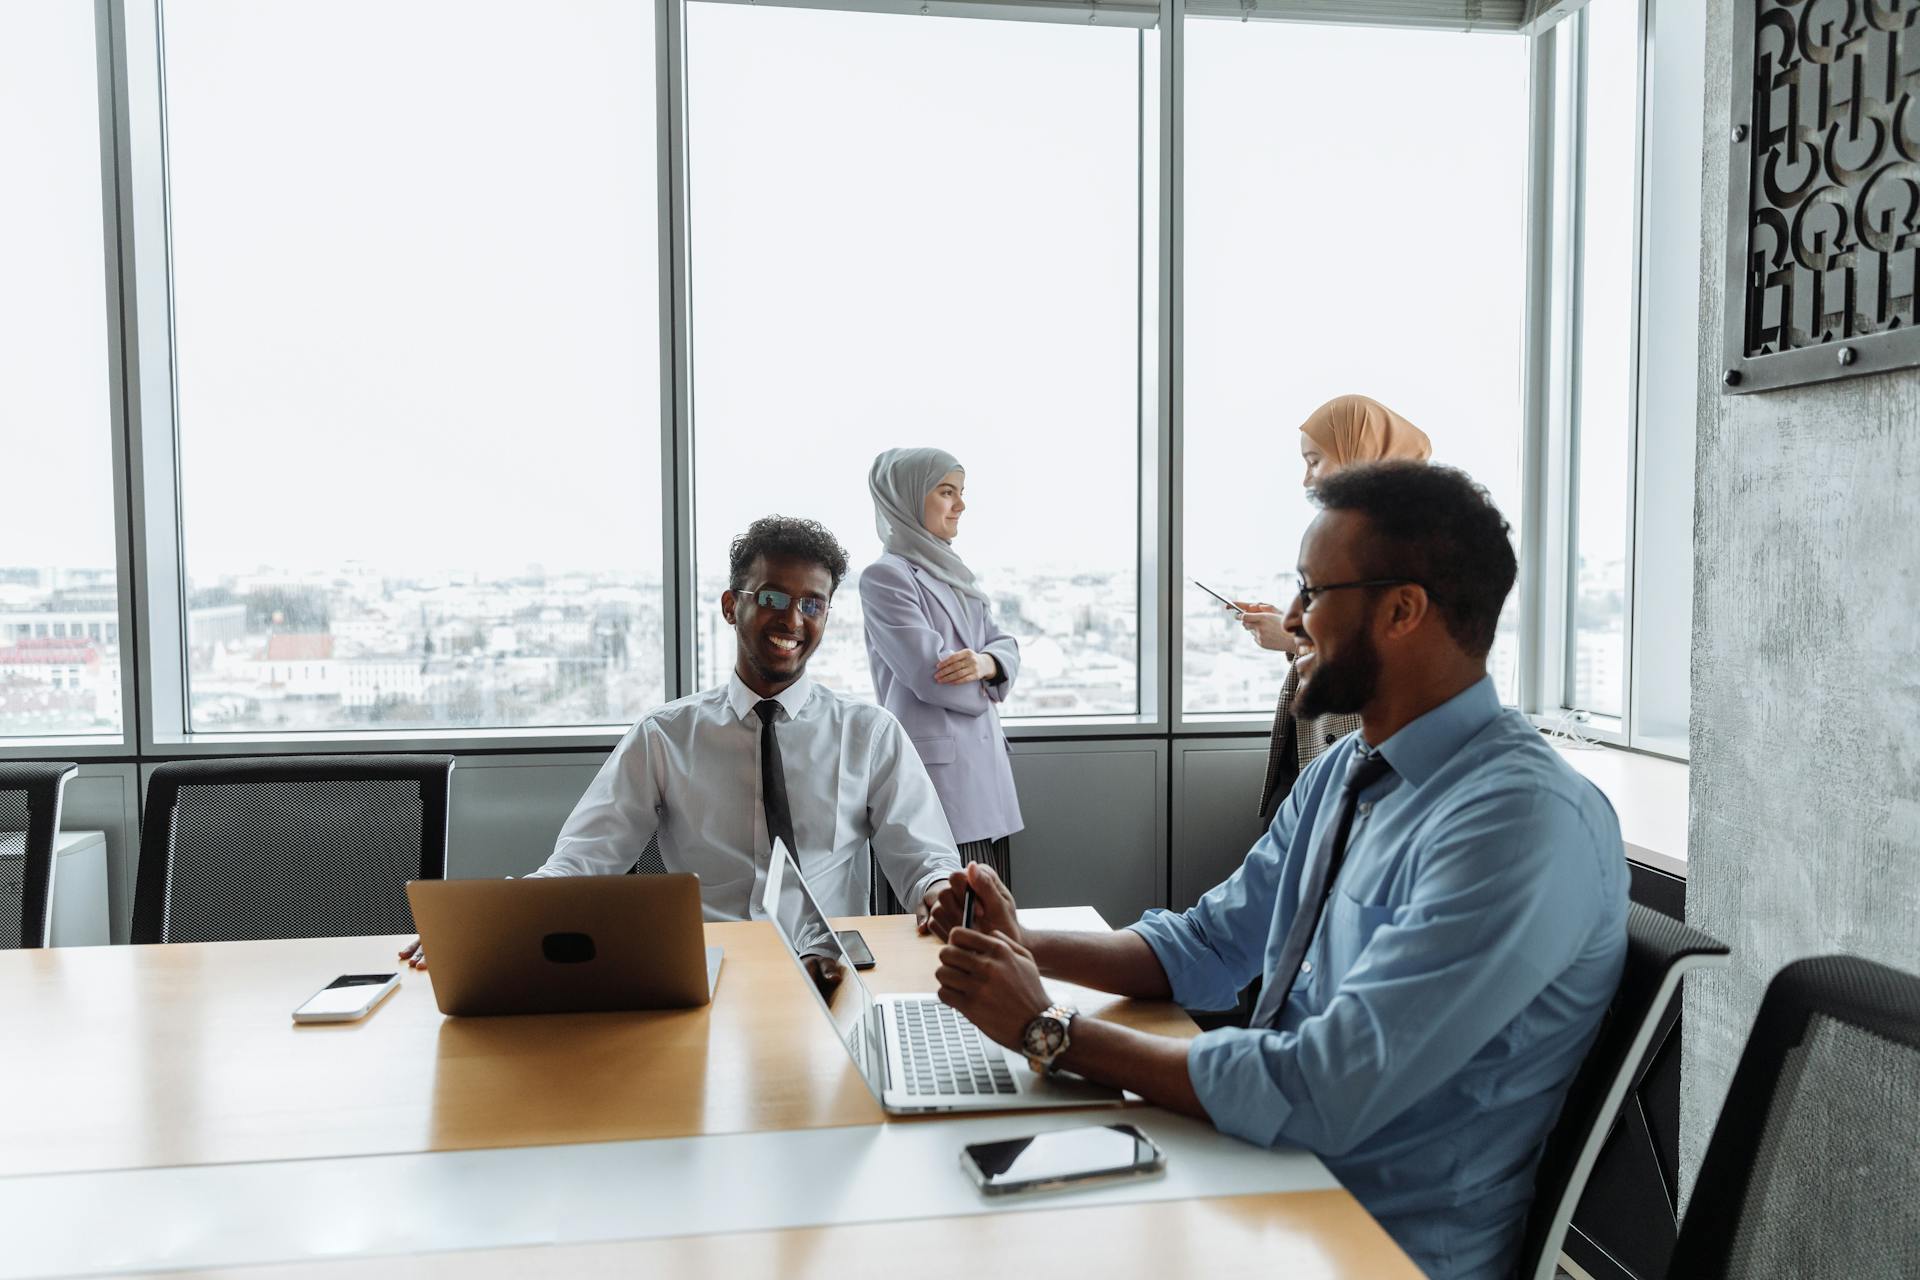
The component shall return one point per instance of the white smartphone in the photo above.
(1062, 1159)
(349, 996)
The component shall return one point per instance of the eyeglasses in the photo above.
(780, 602)
(1307, 595)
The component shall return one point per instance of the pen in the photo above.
(966, 911)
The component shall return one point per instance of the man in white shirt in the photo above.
(716, 775)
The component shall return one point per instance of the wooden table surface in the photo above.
(153, 1056)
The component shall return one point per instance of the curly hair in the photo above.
(1437, 527)
(788, 537)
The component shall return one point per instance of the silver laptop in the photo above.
(915, 1053)
(565, 944)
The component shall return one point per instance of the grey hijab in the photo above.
(900, 481)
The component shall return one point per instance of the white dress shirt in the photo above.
(690, 771)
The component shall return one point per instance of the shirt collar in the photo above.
(1427, 742)
(743, 700)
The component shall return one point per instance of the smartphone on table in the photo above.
(347, 997)
(1217, 596)
(857, 949)
(1062, 1160)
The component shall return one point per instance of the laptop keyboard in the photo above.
(946, 1054)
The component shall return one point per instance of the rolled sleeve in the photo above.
(1234, 1081)
(1216, 947)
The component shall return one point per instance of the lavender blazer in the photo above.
(913, 620)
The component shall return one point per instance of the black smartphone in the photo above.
(1217, 596)
(1062, 1159)
(856, 946)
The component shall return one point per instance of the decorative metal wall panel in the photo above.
(1823, 191)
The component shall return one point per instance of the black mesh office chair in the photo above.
(1813, 1170)
(293, 847)
(1660, 951)
(30, 794)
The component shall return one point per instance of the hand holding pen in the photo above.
(976, 898)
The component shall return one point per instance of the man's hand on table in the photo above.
(414, 954)
(923, 909)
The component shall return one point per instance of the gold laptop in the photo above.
(564, 944)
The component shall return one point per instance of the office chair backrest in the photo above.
(650, 863)
(30, 794)
(288, 847)
(1660, 951)
(1813, 1170)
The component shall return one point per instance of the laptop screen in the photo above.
(815, 947)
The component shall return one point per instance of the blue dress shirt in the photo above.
(1472, 941)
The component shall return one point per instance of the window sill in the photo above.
(1650, 796)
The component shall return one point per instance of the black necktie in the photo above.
(773, 781)
(1363, 770)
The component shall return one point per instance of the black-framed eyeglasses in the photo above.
(780, 602)
(1306, 595)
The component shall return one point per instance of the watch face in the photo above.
(1044, 1035)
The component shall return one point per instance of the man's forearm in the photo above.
(1155, 1067)
(1119, 961)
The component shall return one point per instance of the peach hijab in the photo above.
(1352, 429)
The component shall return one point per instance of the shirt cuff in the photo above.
(1229, 1073)
(1194, 972)
(927, 882)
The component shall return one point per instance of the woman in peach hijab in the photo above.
(1341, 432)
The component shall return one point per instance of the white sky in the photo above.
(415, 257)
(54, 422)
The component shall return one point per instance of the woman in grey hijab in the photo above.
(940, 662)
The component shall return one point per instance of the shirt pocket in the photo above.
(1348, 928)
(935, 750)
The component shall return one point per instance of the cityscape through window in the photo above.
(417, 340)
(1378, 252)
(59, 606)
(956, 269)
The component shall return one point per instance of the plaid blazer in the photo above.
(1295, 744)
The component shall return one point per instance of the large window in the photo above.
(924, 231)
(59, 604)
(381, 288)
(1338, 241)
(1601, 95)
(417, 342)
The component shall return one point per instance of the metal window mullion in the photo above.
(1537, 365)
(679, 612)
(109, 92)
(1636, 400)
(1574, 228)
(1171, 349)
(1170, 160)
(155, 644)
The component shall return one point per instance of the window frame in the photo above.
(130, 38)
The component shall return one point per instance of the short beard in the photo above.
(767, 677)
(1344, 686)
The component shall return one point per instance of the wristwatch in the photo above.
(1047, 1037)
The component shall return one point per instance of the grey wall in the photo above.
(1805, 792)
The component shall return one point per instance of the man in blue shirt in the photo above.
(1448, 956)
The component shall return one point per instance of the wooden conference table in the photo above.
(129, 1075)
